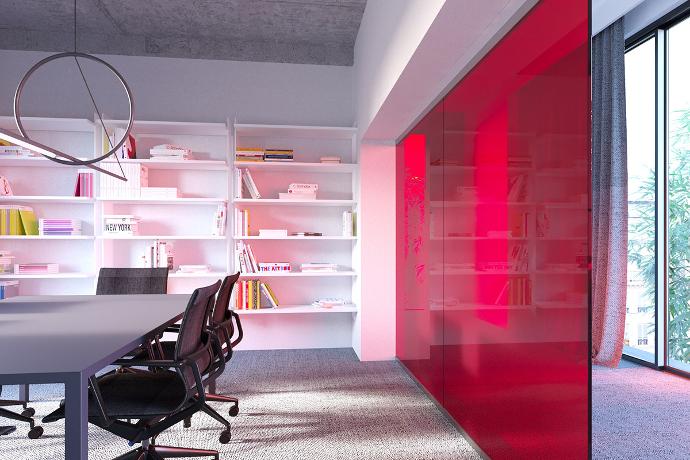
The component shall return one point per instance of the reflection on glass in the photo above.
(679, 196)
(641, 120)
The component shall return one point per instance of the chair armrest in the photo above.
(234, 316)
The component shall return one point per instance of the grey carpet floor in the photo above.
(639, 413)
(295, 404)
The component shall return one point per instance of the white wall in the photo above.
(388, 36)
(648, 12)
(185, 90)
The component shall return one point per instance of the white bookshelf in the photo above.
(186, 222)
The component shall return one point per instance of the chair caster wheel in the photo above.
(29, 412)
(35, 432)
(234, 410)
(225, 437)
(187, 423)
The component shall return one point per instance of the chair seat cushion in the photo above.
(169, 353)
(139, 394)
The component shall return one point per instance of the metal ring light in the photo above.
(22, 83)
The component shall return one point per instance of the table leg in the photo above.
(76, 418)
(24, 393)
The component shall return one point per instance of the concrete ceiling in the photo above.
(296, 31)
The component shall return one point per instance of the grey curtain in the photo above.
(609, 195)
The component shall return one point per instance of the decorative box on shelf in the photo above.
(121, 225)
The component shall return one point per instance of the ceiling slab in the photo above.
(319, 32)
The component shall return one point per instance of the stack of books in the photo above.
(6, 262)
(59, 227)
(329, 303)
(170, 152)
(84, 186)
(300, 192)
(158, 255)
(348, 223)
(120, 224)
(13, 151)
(249, 154)
(274, 267)
(9, 289)
(36, 269)
(245, 258)
(278, 154)
(516, 291)
(254, 295)
(17, 220)
(330, 160)
(193, 269)
(319, 267)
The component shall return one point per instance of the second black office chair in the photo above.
(26, 417)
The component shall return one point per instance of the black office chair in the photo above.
(161, 398)
(120, 281)
(223, 323)
(35, 431)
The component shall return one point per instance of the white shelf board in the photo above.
(298, 238)
(293, 131)
(197, 275)
(275, 201)
(286, 166)
(180, 200)
(160, 237)
(298, 309)
(40, 162)
(81, 125)
(47, 199)
(296, 274)
(56, 276)
(209, 165)
(46, 237)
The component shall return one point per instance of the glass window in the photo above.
(640, 110)
(678, 113)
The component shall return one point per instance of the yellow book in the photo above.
(270, 292)
(257, 290)
(251, 295)
(4, 225)
(29, 222)
(15, 223)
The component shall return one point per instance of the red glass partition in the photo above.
(494, 231)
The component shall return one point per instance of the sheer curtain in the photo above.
(609, 195)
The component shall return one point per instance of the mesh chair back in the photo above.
(121, 281)
(191, 336)
(223, 301)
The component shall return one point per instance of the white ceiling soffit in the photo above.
(606, 12)
(462, 33)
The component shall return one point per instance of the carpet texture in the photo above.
(294, 404)
(639, 413)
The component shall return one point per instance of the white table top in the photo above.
(59, 334)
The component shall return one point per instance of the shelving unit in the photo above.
(203, 183)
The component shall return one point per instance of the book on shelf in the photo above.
(84, 185)
(245, 258)
(348, 223)
(137, 177)
(159, 254)
(59, 227)
(250, 185)
(14, 151)
(517, 290)
(517, 191)
(219, 220)
(158, 193)
(300, 192)
(273, 232)
(332, 159)
(121, 224)
(278, 155)
(170, 152)
(9, 288)
(128, 150)
(6, 262)
(249, 154)
(254, 295)
(306, 234)
(242, 222)
(320, 267)
(274, 267)
(297, 196)
(36, 269)
(18, 220)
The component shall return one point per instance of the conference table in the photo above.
(68, 338)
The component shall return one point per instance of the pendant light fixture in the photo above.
(57, 156)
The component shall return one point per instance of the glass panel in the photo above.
(679, 196)
(640, 73)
